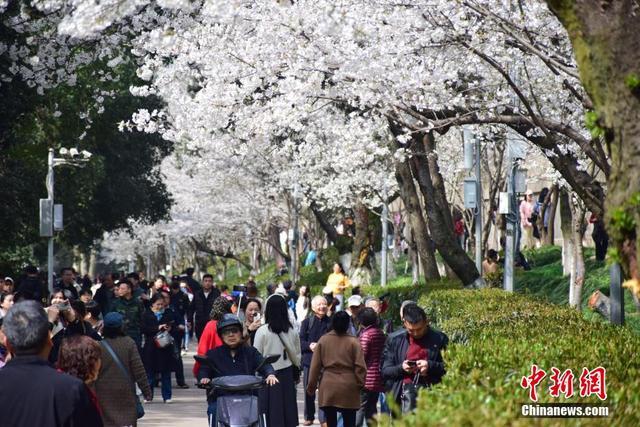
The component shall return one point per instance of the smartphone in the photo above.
(257, 317)
(63, 306)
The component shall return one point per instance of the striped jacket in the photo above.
(372, 341)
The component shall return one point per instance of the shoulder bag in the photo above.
(296, 369)
(409, 395)
(118, 362)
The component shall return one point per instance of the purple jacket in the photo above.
(372, 341)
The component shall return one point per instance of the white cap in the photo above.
(354, 301)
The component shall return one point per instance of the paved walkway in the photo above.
(189, 406)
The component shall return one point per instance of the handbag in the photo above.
(163, 339)
(409, 395)
(295, 369)
(116, 359)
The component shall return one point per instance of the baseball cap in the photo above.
(354, 300)
(113, 320)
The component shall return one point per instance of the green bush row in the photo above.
(495, 337)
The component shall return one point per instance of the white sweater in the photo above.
(268, 344)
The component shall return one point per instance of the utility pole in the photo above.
(48, 224)
(478, 209)
(512, 226)
(385, 235)
(50, 183)
(472, 153)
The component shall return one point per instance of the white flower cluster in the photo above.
(263, 94)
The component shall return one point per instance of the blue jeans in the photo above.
(211, 413)
(165, 378)
(384, 408)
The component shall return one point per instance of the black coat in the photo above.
(104, 297)
(201, 307)
(395, 353)
(194, 285)
(180, 306)
(245, 362)
(156, 359)
(34, 394)
(311, 330)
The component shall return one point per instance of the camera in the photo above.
(411, 362)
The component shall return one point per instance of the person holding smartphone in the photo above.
(252, 319)
(412, 357)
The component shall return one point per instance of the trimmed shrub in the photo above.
(495, 337)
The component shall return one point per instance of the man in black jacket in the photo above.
(311, 329)
(105, 293)
(33, 393)
(202, 303)
(413, 354)
(179, 303)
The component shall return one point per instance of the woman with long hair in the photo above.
(278, 336)
(158, 360)
(303, 304)
(337, 282)
(338, 358)
(114, 387)
(252, 319)
(80, 356)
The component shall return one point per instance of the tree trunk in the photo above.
(415, 263)
(274, 241)
(549, 237)
(577, 281)
(92, 271)
(607, 49)
(332, 233)
(361, 254)
(425, 168)
(567, 234)
(416, 220)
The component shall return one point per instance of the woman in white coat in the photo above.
(278, 336)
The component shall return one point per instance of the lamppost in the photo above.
(472, 185)
(516, 183)
(71, 157)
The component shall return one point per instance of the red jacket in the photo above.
(208, 341)
(372, 341)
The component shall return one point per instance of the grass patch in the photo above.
(545, 280)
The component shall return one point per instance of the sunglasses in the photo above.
(230, 331)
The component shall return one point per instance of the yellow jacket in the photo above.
(337, 282)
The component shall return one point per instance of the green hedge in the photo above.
(496, 337)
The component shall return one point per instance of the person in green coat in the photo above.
(131, 309)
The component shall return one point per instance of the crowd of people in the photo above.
(112, 343)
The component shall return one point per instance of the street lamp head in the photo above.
(86, 154)
(74, 152)
(64, 151)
